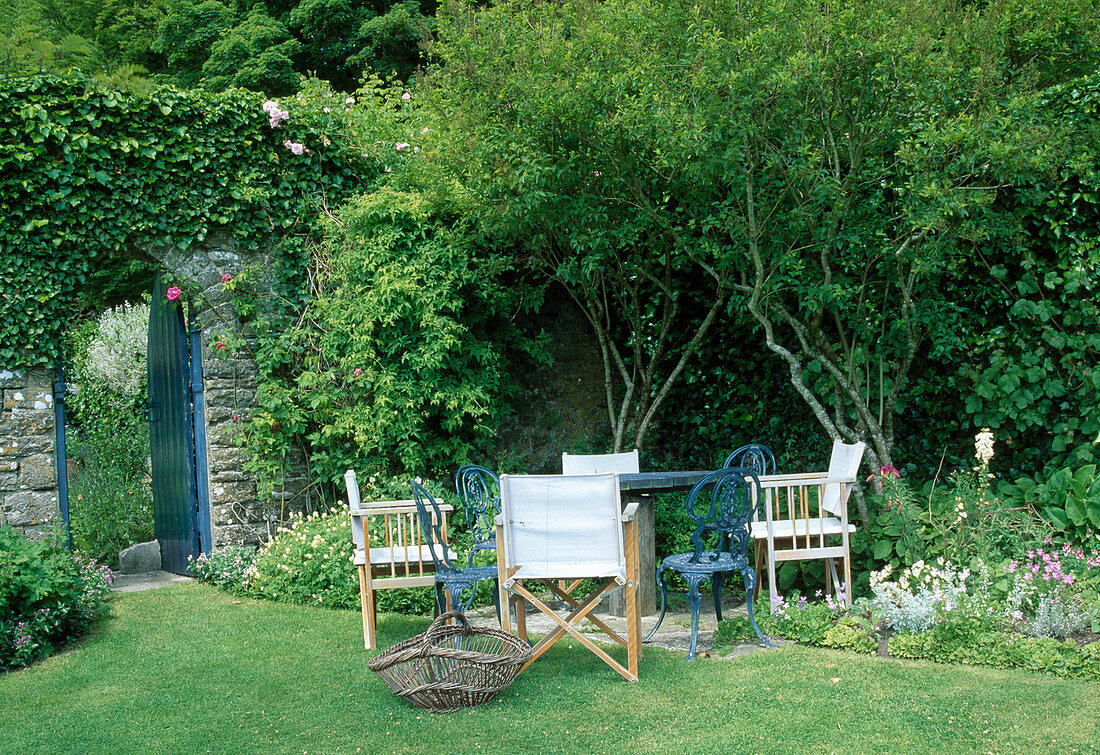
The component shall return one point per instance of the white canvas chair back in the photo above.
(555, 528)
(562, 527)
(624, 463)
(843, 466)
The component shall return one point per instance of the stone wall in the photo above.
(238, 515)
(28, 461)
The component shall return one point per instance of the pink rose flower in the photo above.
(173, 294)
(406, 96)
(356, 371)
(226, 278)
(221, 345)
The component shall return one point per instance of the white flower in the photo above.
(983, 446)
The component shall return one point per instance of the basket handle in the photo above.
(438, 624)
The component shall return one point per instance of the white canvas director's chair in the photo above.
(570, 528)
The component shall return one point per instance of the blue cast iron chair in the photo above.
(754, 457)
(723, 502)
(479, 490)
(448, 576)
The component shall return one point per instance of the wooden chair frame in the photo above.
(397, 558)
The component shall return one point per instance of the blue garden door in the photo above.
(180, 523)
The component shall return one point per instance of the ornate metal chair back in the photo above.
(725, 501)
(431, 525)
(479, 490)
(755, 457)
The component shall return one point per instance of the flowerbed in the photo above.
(48, 597)
(1040, 614)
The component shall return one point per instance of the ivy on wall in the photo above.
(87, 171)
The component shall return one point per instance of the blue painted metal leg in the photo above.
(440, 605)
(664, 596)
(693, 581)
(716, 591)
(750, 585)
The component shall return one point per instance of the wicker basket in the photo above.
(451, 667)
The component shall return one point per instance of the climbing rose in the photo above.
(294, 147)
(173, 293)
(226, 278)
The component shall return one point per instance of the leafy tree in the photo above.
(186, 37)
(821, 168)
(255, 54)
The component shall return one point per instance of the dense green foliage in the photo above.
(87, 171)
(400, 360)
(213, 45)
(831, 177)
(47, 597)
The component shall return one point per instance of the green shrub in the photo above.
(309, 561)
(1068, 498)
(48, 597)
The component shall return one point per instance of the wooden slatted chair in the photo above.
(805, 517)
(571, 528)
(390, 549)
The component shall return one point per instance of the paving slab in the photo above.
(146, 581)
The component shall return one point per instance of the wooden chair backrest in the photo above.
(389, 541)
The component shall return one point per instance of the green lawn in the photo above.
(190, 669)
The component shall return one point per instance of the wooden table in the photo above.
(640, 487)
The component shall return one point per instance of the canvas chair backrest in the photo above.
(843, 466)
(560, 526)
(624, 463)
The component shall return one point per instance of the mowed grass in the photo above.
(190, 669)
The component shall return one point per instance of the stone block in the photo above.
(27, 422)
(37, 472)
(39, 399)
(233, 492)
(9, 480)
(34, 444)
(13, 379)
(30, 507)
(140, 558)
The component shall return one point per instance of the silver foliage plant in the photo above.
(117, 353)
(922, 593)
